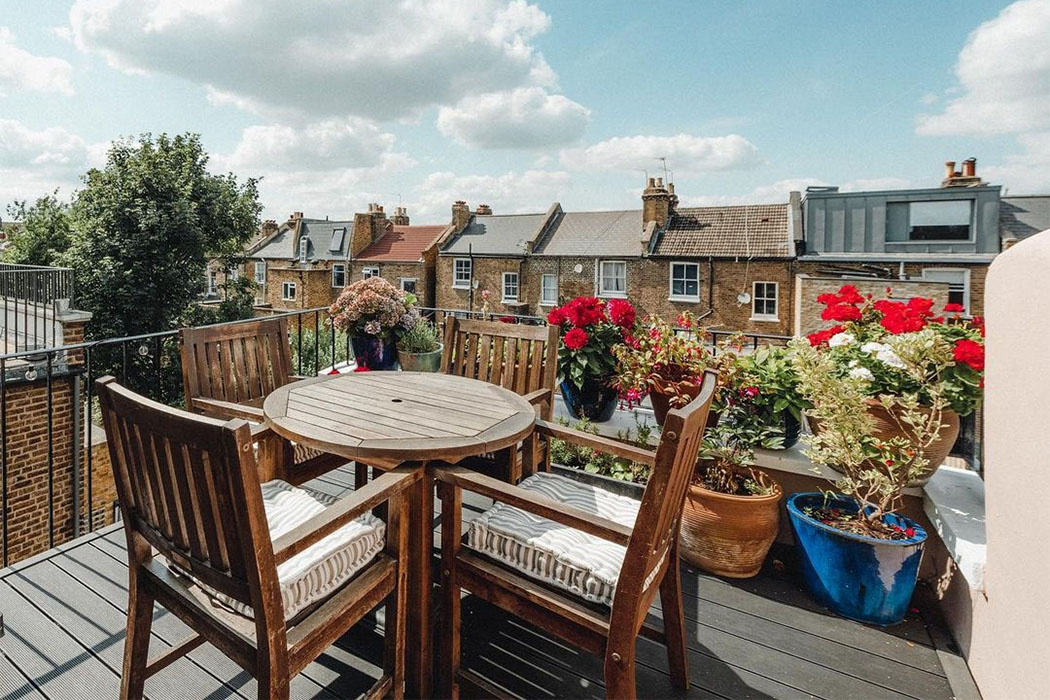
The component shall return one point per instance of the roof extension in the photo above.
(752, 230)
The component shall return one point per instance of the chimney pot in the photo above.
(652, 182)
(949, 168)
(969, 167)
(483, 210)
(659, 182)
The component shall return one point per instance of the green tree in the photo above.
(45, 231)
(144, 227)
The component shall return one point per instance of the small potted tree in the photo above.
(591, 329)
(419, 348)
(860, 557)
(374, 313)
(663, 363)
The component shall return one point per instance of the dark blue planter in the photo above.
(374, 353)
(858, 577)
(595, 401)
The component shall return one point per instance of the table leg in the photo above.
(421, 546)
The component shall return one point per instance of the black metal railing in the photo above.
(31, 297)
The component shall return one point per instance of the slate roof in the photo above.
(496, 234)
(1021, 217)
(403, 244)
(595, 233)
(319, 234)
(753, 230)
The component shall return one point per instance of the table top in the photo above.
(401, 416)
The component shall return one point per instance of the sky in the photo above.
(338, 103)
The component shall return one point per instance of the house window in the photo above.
(336, 244)
(612, 278)
(260, 271)
(764, 301)
(304, 243)
(940, 220)
(367, 272)
(549, 290)
(233, 274)
(211, 288)
(685, 281)
(408, 285)
(461, 273)
(510, 286)
(958, 280)
(288, 291)
(339, 275)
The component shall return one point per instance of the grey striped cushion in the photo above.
(582, 564)
(316, 572)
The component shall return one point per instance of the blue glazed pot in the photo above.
(862, 578)
(595, 401)
(374, 353)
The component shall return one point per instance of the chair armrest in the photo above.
(542, 399)
(227, 409)
(602, 444)
(342, 512)
(535, 503)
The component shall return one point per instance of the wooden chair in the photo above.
(648, 545)
(188, 487)
(227, 372)
(515, 356)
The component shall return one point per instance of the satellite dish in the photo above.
(578, 268)
(743, 297)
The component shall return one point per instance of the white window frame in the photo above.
(613, 294)
(233, 274)
(211, 283)
(754, 300)
(544, 300)
(260, 271)
(367, 272)
(954, 270)
(458, 283)
(671, 278)
(342, 268)
(401, 283)
(303, 248)
(517, 287)
(288, 291)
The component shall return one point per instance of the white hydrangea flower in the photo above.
(862, 373)
(840, 339)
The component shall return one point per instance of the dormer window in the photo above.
(304, 244)
(336, 245)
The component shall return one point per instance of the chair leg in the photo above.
(674, 622)
(271, 688)
(136, 642)
(451, 612)
(619, 672)
(360, 475)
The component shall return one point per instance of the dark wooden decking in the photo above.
(64, 614)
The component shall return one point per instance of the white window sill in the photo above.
(766, 319)
(612, 295)
(548, 303)
(509, 301)
(687, 300)
(465, 287)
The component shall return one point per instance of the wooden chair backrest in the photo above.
(659, 515)
(515, 356)
(237, 362)
(187, 485)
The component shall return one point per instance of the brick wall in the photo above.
(977, 275)
(808, 288)
(393, 272)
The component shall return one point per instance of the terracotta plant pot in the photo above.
(660, 397)
(886, 428)
(729, 535)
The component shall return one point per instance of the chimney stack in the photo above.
(460, 215)
(483, 210)
(296, 215)
(966, 178)
(400, 217)
(269, 228)
(656, 203)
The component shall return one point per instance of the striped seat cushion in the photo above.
(569, 559)
(319, 570)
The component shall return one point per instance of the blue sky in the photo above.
(337, 103)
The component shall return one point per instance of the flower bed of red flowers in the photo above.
(863, 324)
(590, 330)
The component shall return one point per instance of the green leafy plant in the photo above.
(592, 461)
(591, 330)
(727, 453)
(658, 356)
(420, 338)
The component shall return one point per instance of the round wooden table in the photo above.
(387, 419)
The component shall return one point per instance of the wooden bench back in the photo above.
(237, 362)
(660, 513)
(187, 485)
(515, 356)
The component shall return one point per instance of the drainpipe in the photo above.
(710, 286)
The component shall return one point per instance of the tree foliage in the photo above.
(45, 231)
(144, 227)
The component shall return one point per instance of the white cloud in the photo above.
(685, 153)
(1027, 171)
(509, 193)
(21, 70)
(527, 117)
(1004, 73)
(777, 192)
(381, 60)
(324, 145)
(34, 162)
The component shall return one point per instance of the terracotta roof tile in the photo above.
(755, 230)
(403, 244)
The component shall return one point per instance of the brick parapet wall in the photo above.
(808, 288)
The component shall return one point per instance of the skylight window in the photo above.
(338, 234)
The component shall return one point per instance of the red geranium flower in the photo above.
(841, 312)
(576, 338)
(954, 308)
(822, 337)
(848, 294)
(969, 352)
(556, 317)
(621, 312)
